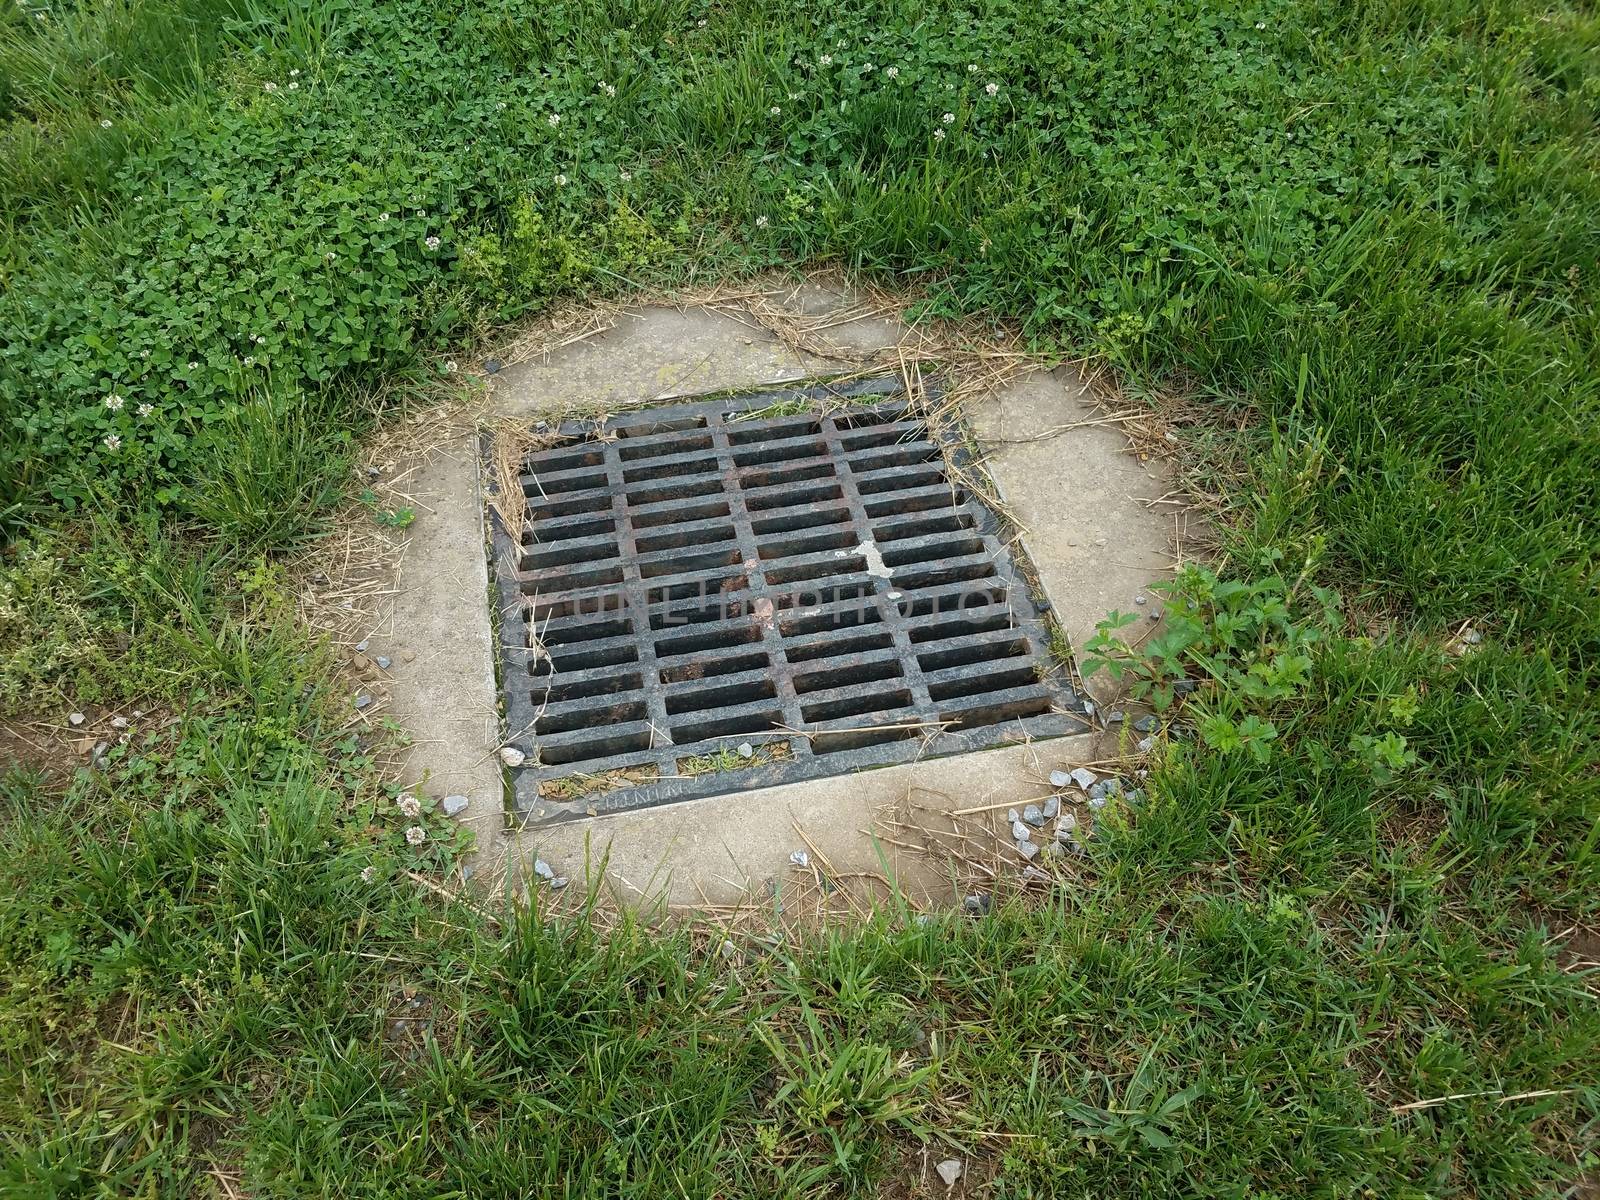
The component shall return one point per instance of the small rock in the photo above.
(363, 701)
(361, 646)
(746, 750)
(727, 949)
(1059, 779)
(1155, 614)
(119, 722)
(977, 905)
(1472, 637)
(1083, 777)
(360, 662)
(559, 882)
(491, 366)
(98, 754)
(1115, 717)
(1051, 807)
(949, 1171)
(1096, 803)
(1020, 831)
(1140, 601)
(383, 663)
(800, 858)
(1042, 606)
(318, 578)
(1146, 744)
(373, 472)
(1135, 796)
(512, 757)
(1027, 849)
(543, 869)
(1097, 791)
(1033, 815)
(466, 872)
(1012, 816)
(138, 714)
(454, 804)
(76, 718)
(1065, 827)
(1089, 709)
(1113, 787)
(1032, 874)
(1184, 686)
(1147, 724)
(408, 655)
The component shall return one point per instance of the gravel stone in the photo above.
(454, 804)
(1115, 717)
(76, 718)
(1027, 849)
(1146, 744)
(1012, 816)
(559, 882)
(543, 869)
(1033, 815)
(1084, 777)
(977, 904)
(383, 663)
(746, 750)
(512, 757)
(1147, 724)
(363, 701)
(491, 366)
(1096, 803)
(1141, 601)
(119, 722)
(800, 858)
(361, 646)
(949, 1171)
(1097, 792)
(1020, 831)
(1051, 807)
(1065, 827)
(1059, 779)
(1032, 874)
(1155, 614)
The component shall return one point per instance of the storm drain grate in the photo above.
(735, 593)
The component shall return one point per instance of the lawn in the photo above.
(1350, 251)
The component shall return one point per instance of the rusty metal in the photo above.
(735, 593)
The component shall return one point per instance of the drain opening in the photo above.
(730, 599)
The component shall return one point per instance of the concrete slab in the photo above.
(732, 849)
(1078, 493)
(1080, 499)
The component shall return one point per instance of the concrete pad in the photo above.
(732, 849)
(1077, 494)
(1076, 490)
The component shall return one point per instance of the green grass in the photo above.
(1361, 242)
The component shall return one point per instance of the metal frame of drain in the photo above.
(793, 570)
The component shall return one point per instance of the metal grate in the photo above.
(735, 593)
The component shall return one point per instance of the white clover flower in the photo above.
(294, 85)
(105, 124)
(383, 216)
(144, 354)
(258, 338)
(416, 835)
(450, 367)
(501, 105)
(938, 135)
(868, 69)
(892, 72)
(774, 111)
(797, 95)
(701, 23)
(624, 175)
(561, 181)
(840, 44)
(409, 805)
(432, 243)
(194, 366)
(331, 256)
(972, 68)
(145, 409)
(293, 72)
(992, 88)
(249, 360)
(113, 402)
(761, 222)
(554, 119)
(1261, 24)
(948, 118)
(826, 60)
(367, 874)
(112, 442)
(269, 86)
